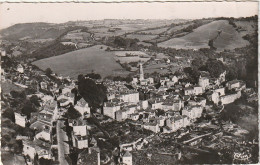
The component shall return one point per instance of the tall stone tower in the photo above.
(141, 72)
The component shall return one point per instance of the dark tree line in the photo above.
(121, 42)
(93, 93)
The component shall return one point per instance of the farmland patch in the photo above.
(227, 37)
(83, 61)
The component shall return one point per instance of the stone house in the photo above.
(20, 119)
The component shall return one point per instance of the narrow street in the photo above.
(63, 147)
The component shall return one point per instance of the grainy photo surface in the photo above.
(129, 83)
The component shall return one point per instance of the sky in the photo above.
(13, 13)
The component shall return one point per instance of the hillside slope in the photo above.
(226, 37)
(32, 31)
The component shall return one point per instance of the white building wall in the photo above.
(127, 160)
(198, 90)
(221, 91)
(203, 82)
(82, 110)
(189, 92)
(20, 119)
(175, 79)
(131, 97)
(152, 128)
(82, 144)
(215, 97)
(28, 150)
(186, 121)
(157, 105)
(144, 104)
(230, 98)
(110, 111)
(44, 135)
(80, 130)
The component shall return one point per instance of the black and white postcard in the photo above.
(129, 83)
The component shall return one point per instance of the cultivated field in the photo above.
(161, 56)
(161, 68)
(133, 53)
(83, 61)
(131, 59)
(141, 37)
(200, 37)
(77, 35)
(229, 39)
(133, 56)
(155, 31)
(144, 44)
(178, 27)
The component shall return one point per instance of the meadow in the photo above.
(229, 39)
(134, 53)
(178, 27)
(155, 31)
(134, 56)
(142, 37)
(83, 61)
(131, 59)
(144, 44)
(77, 35)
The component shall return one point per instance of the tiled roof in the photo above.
(127, 154)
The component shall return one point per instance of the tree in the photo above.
(35, 100)
(31, 90)
(43, 161)
(9, 113)
(48, 71)
(193, 74)
(93, 93)
(72, 113)
(159, 112)
(28, 108)
(18, 146)
(215, 67)
(232, 73)
(197, 63)
(16, 94)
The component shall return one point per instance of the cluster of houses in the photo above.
(45, 122)
(52, 107)
(181, 102)
(173, 105)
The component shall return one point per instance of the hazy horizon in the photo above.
(15, 13)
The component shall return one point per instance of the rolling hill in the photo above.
(225, 37)
(32, 31)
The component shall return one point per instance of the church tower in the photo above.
(141, 72)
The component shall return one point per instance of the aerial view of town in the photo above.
(137, 90)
